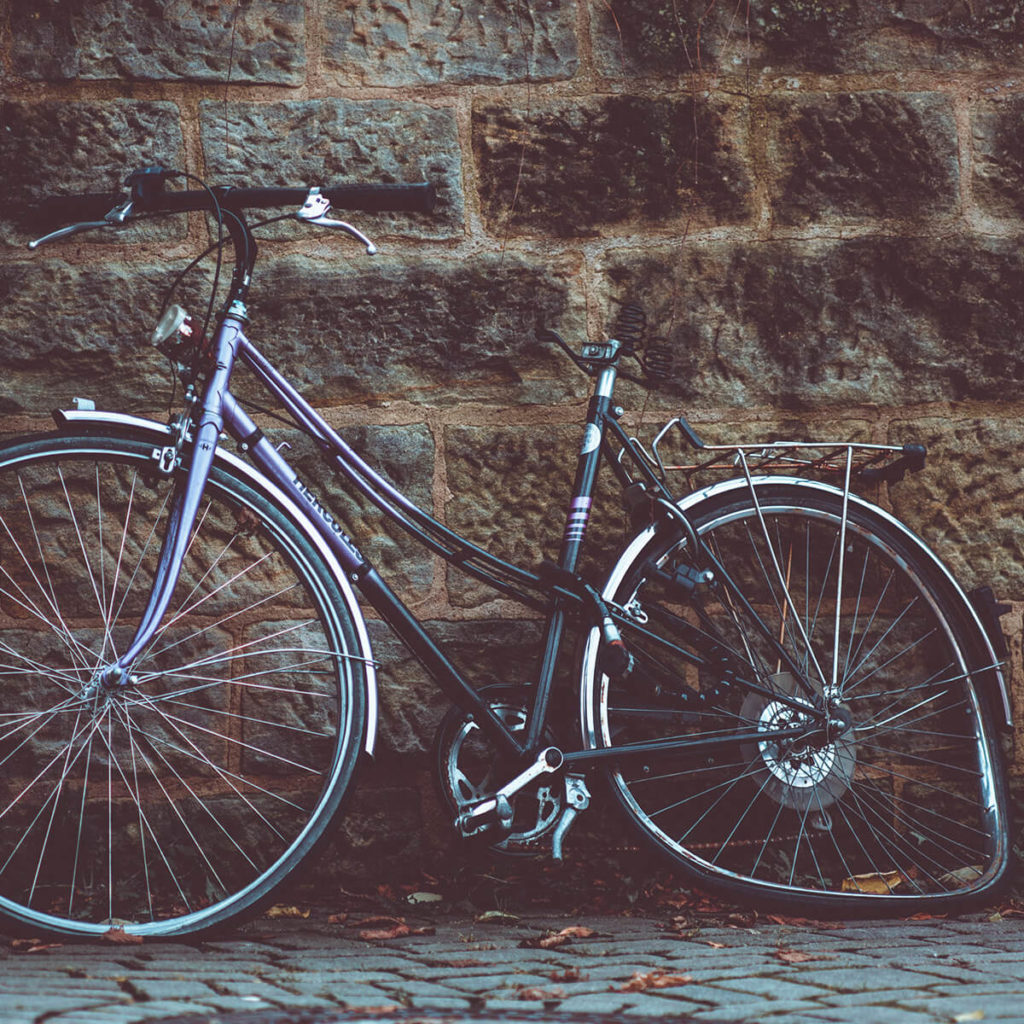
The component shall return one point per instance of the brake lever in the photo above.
(314, 211)
(118, 215)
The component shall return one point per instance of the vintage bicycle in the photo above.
(781, 686)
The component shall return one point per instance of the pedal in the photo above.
(498, 809)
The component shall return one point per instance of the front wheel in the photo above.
(180, 800)
(833, 680)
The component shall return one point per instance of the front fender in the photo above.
(114, 423)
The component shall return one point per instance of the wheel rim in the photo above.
(170, 803)
(898, 801)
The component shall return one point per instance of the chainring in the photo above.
(469, 770)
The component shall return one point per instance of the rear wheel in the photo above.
(839, 678)
(174, 803)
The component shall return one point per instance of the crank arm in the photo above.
(548, 760)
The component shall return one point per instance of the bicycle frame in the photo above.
(219, 412)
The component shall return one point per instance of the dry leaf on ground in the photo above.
(33, 945)
(656, 979)
(794, 956)
(559, 938)
(541, 994)
(569, 974)
(283, 910)
(120, 937)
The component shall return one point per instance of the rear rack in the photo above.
(869, 463)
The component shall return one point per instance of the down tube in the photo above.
(365, 577)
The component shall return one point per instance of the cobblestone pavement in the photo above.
(911, 972)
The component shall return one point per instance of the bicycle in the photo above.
(783, 688)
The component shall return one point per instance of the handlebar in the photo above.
(378, 198)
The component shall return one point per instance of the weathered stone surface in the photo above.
(418, 42)
(843, 35)
(815, 324)
(998, 151)
(429, 330)
(681, 36)
(510, 491)
(577, 168)
(966, 502)
(403, 455)
(661, 37)
(333, 142)
(63, 148)
(856, 156)
(67, 331)
(487, 652)
(259, 41)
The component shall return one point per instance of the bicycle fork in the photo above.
(185, 503)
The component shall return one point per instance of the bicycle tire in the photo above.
(904, 807)
(177, 803)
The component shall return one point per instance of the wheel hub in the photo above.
(805, 772)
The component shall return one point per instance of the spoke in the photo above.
(220, 772)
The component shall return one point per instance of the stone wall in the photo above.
(819, 203)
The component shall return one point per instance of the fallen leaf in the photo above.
(120, 937)
(715, 945)
(876, 883)
(803, 922)
(540, 994)
(569, 974)
(793, 956)
(33, 945)
(973, 1015)
(282, 910)
(961, 876)
(496, 917)
(560, 938)
(373, 920)
(337, 918)
(398, 931)
(656, 979)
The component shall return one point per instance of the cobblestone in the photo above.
(886, 973)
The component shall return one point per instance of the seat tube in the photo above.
(188, 492)
(577, 519)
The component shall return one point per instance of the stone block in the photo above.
(856, 156)
(82, 330)
(576, 169)
(487, 652)
(847, 36)
(966, 501)
(998, 157)
(814, 324)
(416, 42)
(510, 490)
(334, 142)
(403, 455)
(180, 40)
(663, 37)
(428, 330)
(68, 147)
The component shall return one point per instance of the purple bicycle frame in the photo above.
(220, 412)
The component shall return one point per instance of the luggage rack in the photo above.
(869, 463)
